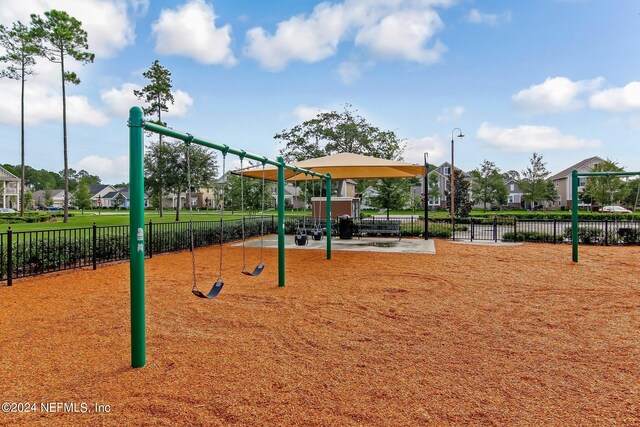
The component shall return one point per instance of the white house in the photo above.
(10, 189)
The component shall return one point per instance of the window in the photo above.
(582, 181)
(512, 187)
(510, 199)
(446, 170)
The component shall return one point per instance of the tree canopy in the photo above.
(534, 182)
(463, 204)
(488, 186)
(605, 190)
(339, 132)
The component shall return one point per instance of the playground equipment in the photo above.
(316, 233)
(137, 126)
(256, 271)
(218, 284)
(301, 238)
(574, 203)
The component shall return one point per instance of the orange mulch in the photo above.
(471, 335)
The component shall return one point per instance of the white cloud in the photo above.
(349, 72)
(388, 29)
(109, 170)
(618, 99)
(44, 104)
(190, 30)
(555, 94)
(435, 146)
(450, 114)
(120, 100)
(476, 17)
(528, 138)
(302, 113)
(404, 35)
(106, 22)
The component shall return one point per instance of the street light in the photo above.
(460, 135)
(426, 197)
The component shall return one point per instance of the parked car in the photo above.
(614, 209)
(53, 208)
(7, 211)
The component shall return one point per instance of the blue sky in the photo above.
(558, 77)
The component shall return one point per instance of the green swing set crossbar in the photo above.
(137, 126)
(575, 175)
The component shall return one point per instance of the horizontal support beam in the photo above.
(608, 173)
(162, 130)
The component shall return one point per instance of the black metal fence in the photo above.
(29, 253)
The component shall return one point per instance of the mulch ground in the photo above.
(471, 335)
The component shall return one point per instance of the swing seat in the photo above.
(256, 271)
(301, 239)
(215, 290)
(316, 235)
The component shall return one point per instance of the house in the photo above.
(10, 189)
(562, 180)
(443, 172)
(98, 193)
(515, 199)
(57, 198)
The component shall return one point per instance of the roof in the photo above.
(5, 175)
(341, 166)
(110, 195)
(566, 172)
(95, 189)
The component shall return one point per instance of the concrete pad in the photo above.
(365, 244)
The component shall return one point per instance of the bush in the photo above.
(629, 236)
(531, 236)
(587, 235)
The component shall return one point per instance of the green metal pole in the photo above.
(574, 214)
(281, 237)
(136, 238)
(328, 222)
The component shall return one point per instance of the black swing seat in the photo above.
(256, 271)
(301, 239)
(316, 234)
(215, 290)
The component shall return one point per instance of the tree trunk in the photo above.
(178, 207)
(22, 145)
(161, 165)
(64, 141)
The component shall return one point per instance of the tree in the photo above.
(59, 36)
(48, 199)
(82, 197)
(118, 201)
(28, 198)
(174, 176)
(488, 186)
(157, 94)
(333, 132)
(433, 187)
(393, 193)
(606, 190)
(462, 203)
(533, 183)
(20, 53)
(633, 193)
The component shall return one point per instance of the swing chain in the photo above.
(244, 255)
(224, 185)
(193, 255)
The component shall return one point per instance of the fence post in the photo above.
(150, 238)
(606, 231)
(555, 240)
(472, 229)
(411, 225)
(515, 229)
(273, 223)
(495, 229)
(94, 244)
(9, 257)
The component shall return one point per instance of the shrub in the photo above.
(587, 235)
(531, 236)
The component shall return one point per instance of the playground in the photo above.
(481, 335)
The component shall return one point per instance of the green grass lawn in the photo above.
(105, 218)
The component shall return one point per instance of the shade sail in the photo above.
(341, 166)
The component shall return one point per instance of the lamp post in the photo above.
(426, 196)
(460, 135)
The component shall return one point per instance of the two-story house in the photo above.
(10, 189)
(562, 180)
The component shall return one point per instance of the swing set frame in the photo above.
(137, 125)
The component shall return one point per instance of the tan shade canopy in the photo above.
(341, 166)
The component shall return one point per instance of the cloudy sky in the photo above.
(559, 77)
